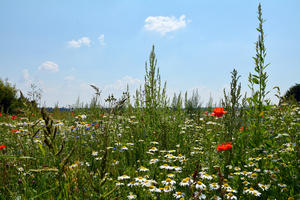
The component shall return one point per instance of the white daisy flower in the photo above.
(153, 160)
(253, 192)
(185, 182)
(153, 149)
(119, 184)
(168, 188)
(94, 153)
(206, 176)
(140, 179)
(264, 187)
(131, 196)
(168, 181)
(226, 187)
(123, 177)
(178, 195)
(230, 196)
(214, 186)
(170, 175)
(143, 169)
(200, 185)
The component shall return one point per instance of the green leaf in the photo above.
(255, 81)
(42, 149)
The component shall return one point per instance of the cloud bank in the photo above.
(164, 24)
(84, 41)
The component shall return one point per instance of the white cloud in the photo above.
(101, 39)
(164, 24)
(69, 78)
(80, 42)
(49, 66)
(121, 84)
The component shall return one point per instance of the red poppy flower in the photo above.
(220, 147)
(73, 113)
(13, 117)
(242, 128)
(2, 146)
(228, 145)
(15, 130)
(218, 112)
(224, 146)
(0, 114)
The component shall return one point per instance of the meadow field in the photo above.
(144, 146)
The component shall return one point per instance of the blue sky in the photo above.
(63, 46)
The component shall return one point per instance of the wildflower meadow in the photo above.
(144, 147)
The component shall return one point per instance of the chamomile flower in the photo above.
(207, 177)
(257, 170)
(252, 191)
(257, 158)
(226, 187)
(185, 182)
(153, 160)
(152, 188)
(131, 196)
(214, 186)
(147, 183)
(123, 177)
(171, 175)
(132, 183)
(230, 196)
(180, 156)
(246, 183)
(229, 166)
(176, 168)
(168, 181)
(264, 187)
(200, 185)
(140, 179)
(154, 142)
(215, 197)
(178, 195)
(281, 185)
(124, 148)
(253, 175)
(164, 166)
(94, 153)
(143, 169)
(153, 149)
(168, 188)
(170, 156)
(119, 183)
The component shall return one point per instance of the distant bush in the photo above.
(293, 93)
(8, 96)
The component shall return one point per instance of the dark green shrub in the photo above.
(293, 93)
(8, 96)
